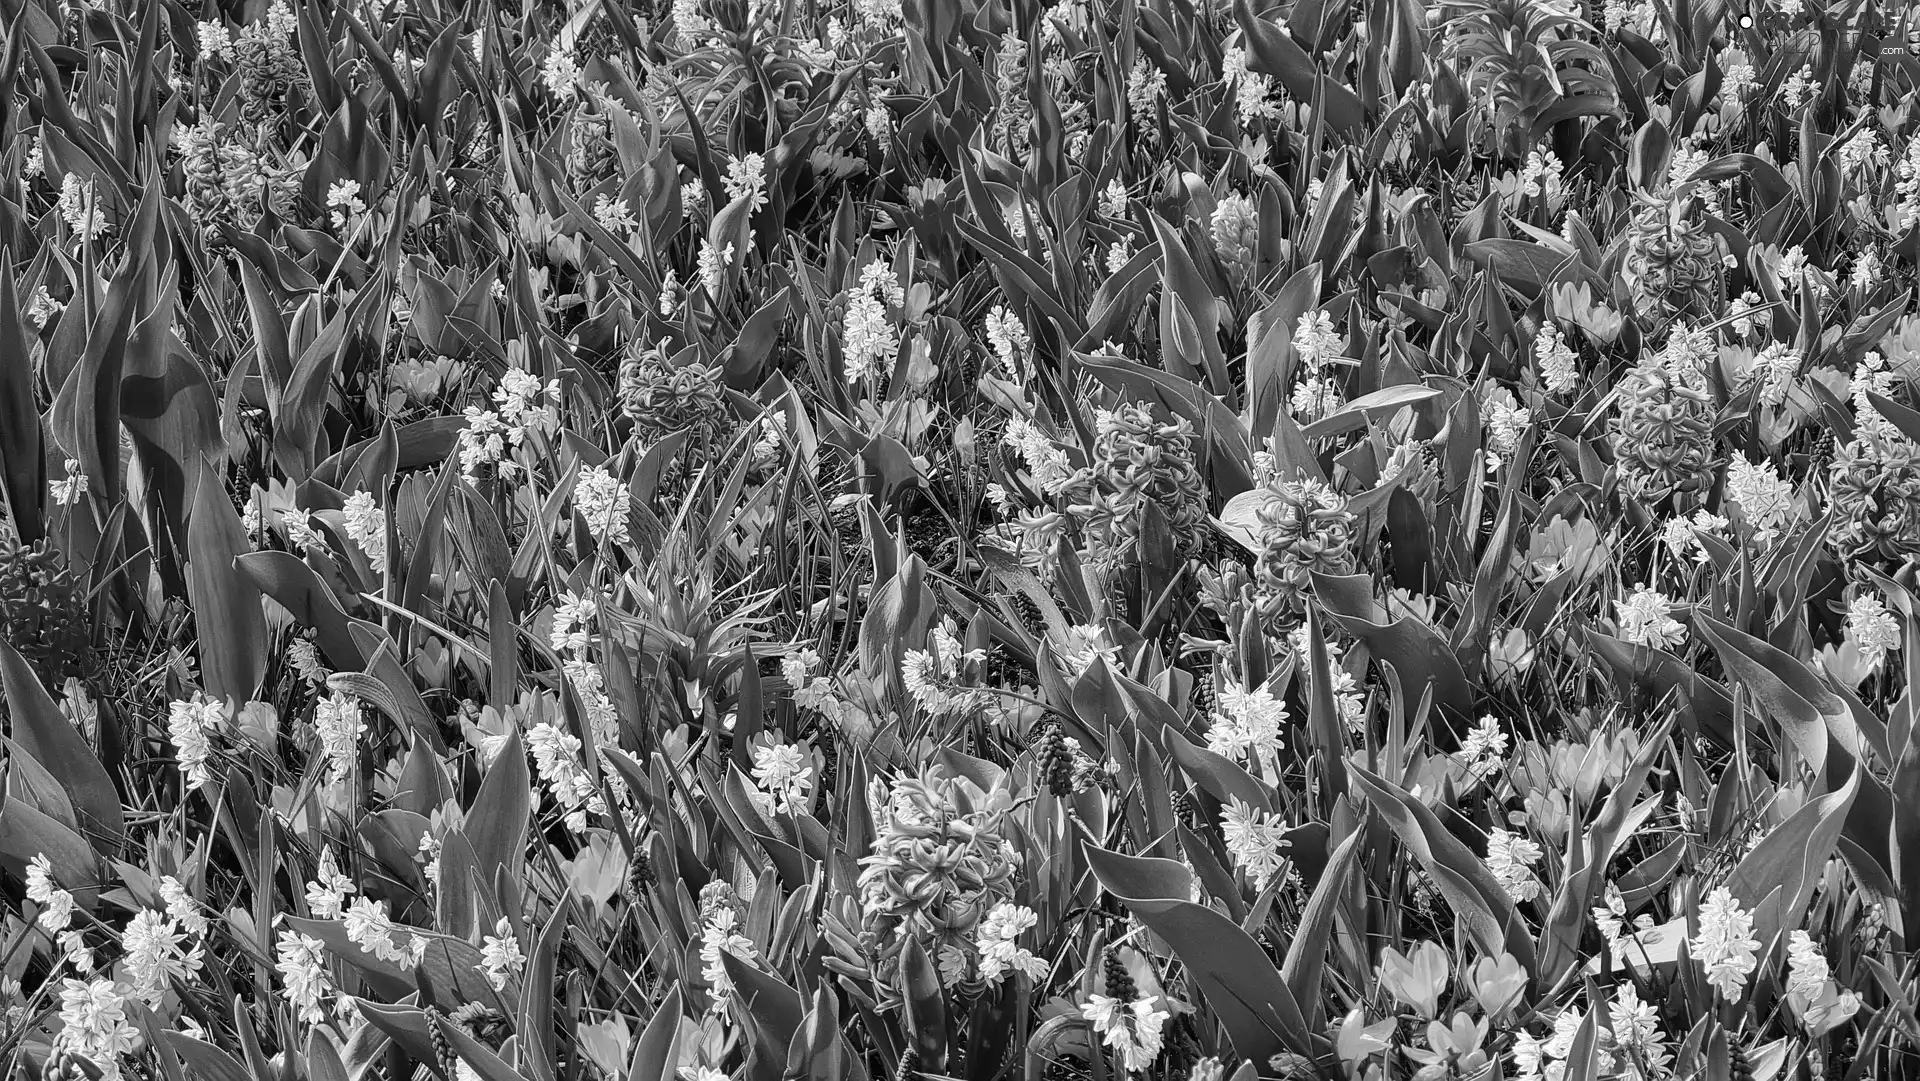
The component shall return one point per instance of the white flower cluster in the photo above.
(868, 337)
(1864, 152)
(1796, 270)
(878, 121)
(370, 928)
(1764, 499)
(1317, 346)
(157, 951)
(1247, 727)
(305, 658)
(1146, 89)
(1235, 228)
(812, 692)
(773, 438)
(275, 510)
(615, 216)
(1541, 178)
(80, 207)
(1745, 311)
(1534, 1058)
(1682, 534)
(192, 725)
(500, 956)
(427, 855)
(338, 722)
(367, 526)
(56, 913)
(931, 675)
(1010, 341)
(1255, 839)
(1046, 461)
(782, 777)
(1505, 419)
(573, 638)
(714, 261)
(556, 755)
(1872, 628)
(41, 310)
(1867, 270)
(1611, 918)
(1798, 87)
(215, 39)
(747, 177)
(1511, 858)
(343, 199)
(720, 934)
(1559, 365)
(1131, 1028)
(1253, 96)
(1807, 969)
(157, 946)
(1739, 78)
(1776, 368)
(1484, 750)
(94, 1024)
(279, 23)
(670, 294)
(328, 892)
(523, 406)
(1634, 1035)
(1646, 619)
(1906, 187)
(301, 961)
(692, 24)
(602, 500)
(1820, 1003)
(67, 491)
(1725, 944)
(1688, 160)
(1873, 375)
(1000, 953)
(560, 74)
(1346, 690)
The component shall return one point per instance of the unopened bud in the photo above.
(963, 441)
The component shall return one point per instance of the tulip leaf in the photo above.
(1247, 994)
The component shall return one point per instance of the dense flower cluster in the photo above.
(1058, 538)
(939, 861)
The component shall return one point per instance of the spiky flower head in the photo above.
(200, 162)
(590, 154)
(1875, 491)
(942, 858)
(254, 184)
(663, 397)
(1305, 526)
(1138, 460)
(1674, 264)
(269, 67)
(1663, 436)
(1236, 233)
